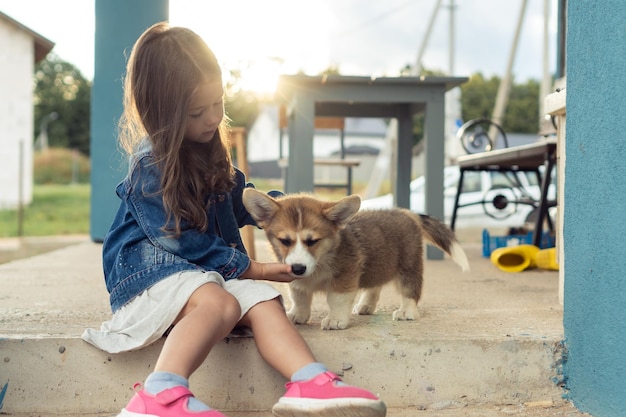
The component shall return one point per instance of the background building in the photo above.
(20, 50)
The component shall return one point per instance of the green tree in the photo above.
(61, 88)
(242, 107)
(522, 113)
(478, 98)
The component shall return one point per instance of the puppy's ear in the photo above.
(261, 206)
(343, 210)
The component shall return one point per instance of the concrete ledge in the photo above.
(485, 337)
(63, 375)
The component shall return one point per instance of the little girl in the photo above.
(174, 262)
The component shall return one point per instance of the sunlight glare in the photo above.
(261, 40)
(261, 76)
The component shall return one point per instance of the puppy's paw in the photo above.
(363, 309)
(298, 316)
(401, 315)
(331, 323)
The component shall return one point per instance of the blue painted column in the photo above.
(595, 203)
(434, 142)
(301, 132)
(118, 25)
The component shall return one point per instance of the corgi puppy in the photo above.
(334, 248)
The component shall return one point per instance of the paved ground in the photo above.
(41, 296)
(19, 248)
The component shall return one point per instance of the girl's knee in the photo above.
(231, 307)
(227, 306)
(219, 301)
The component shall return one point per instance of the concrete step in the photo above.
(538, 409)
(394, 359)
(484, 339)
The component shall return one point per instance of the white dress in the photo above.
(147, 317)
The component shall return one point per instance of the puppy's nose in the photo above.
(298, 269)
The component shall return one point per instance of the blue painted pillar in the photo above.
(595, 201)
(118, 25)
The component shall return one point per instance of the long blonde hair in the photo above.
(164, 69)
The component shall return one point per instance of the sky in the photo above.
(265, 38)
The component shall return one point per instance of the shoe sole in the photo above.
(125, 413)
(329, 408)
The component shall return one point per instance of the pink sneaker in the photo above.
(322, 396)
(168, 403)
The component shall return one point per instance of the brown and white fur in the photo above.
(334, 248)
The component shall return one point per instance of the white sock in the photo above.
(309, 371)
(159, 381)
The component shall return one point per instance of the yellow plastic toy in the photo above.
(514, 258)
(521, 257)
(546, 259)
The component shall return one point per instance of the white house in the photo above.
(20, 50)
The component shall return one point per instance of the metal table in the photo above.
(306, 97)
(525, 158)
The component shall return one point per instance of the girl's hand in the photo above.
(268, 271)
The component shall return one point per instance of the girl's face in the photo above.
(205, 112)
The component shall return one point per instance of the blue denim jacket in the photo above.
(138, 254)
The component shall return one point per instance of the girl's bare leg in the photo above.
(208, 317)
(277, 339)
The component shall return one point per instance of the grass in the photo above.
(64, 209)
(55, 210)
(60, 207)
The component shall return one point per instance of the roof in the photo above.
(42, 45)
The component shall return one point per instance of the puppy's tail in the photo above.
(441, 236)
